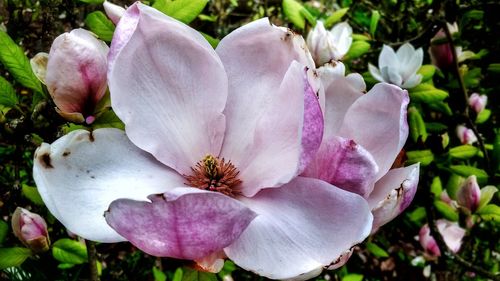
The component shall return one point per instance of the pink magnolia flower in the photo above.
(478, 102)
(76, 74)
(30, 229)
(452, 236)
(220, 136)
(327, 45)
(363, 135)
(469, 193)
(466, 135)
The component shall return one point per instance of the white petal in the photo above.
(80, 174)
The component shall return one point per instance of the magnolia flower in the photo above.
(218, 137)
(76, 74)
(468, 194)
(363, 135)
(113, 11)
(329, 45)
(450, 231)
(31, 230)
(399, 68)
(478, 102)
(466, 135)
(440, 50)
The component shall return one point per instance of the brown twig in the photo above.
(463, 89)
(92, 257)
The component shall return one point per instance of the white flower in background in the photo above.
(399, 68)
(329, 45)
(466, 135)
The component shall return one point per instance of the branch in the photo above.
(461, 83)
(92, 257)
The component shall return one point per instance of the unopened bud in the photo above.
(466, 135)
(329, 45)
(478, 102)
(31, 230)
(468, 194)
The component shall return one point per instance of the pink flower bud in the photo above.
(76, 74)
(468, 194)
(452, 236)
(114, 12)
(31, 230)
(478, 102)
(440, 52)
(466, 135)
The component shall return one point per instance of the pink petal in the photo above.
(377, 121)
(80, 174)
(257, 57)
(345, 164)
(393, 193)
(304, 225)
(168, 86)
(452, 234)
(285, 137)
(113, 11)
(340, 94)
(185, 223)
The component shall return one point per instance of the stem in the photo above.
(92, 256)
(461, 83)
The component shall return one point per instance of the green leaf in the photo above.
(177, 275)
(213, 41)
(183, 10)
(4, 230)
(65, 265)
(494, 67)
(32, 194)
(308, 16)
(490, 212)
(93, 2)
(16, 62)
(376, 250)
(335, 17)
(417, 125)
(8, 95)
(418, 215)
(194, 275)
(69, 251)
(466, 171)
(483, 116)
(425, 157)
(159, 275)
(427, 71)
(487, 193)
(454, 182)
(496, 152)
(436, 186)
(13, 256)
(374, 22)
(108, 119)
(292, 10)
(436, 127)
(353, 277)
(99, 23)
(442, 107)
(427, 93)
(463, 151)
(358, 48)
(446, 210)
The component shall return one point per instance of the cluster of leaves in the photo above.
(438, 105)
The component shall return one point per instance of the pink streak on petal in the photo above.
(185, 223)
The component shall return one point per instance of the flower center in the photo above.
(214, 174)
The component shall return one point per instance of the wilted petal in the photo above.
(184, 223)
(392, 194)
(344, 257)
(256, 71)
(80, 174)
(377, 121)
(76, 72)
(285, 137)
(212, 263)
(171, 103)
(304, 225)
(39, 65)
(345, 164)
